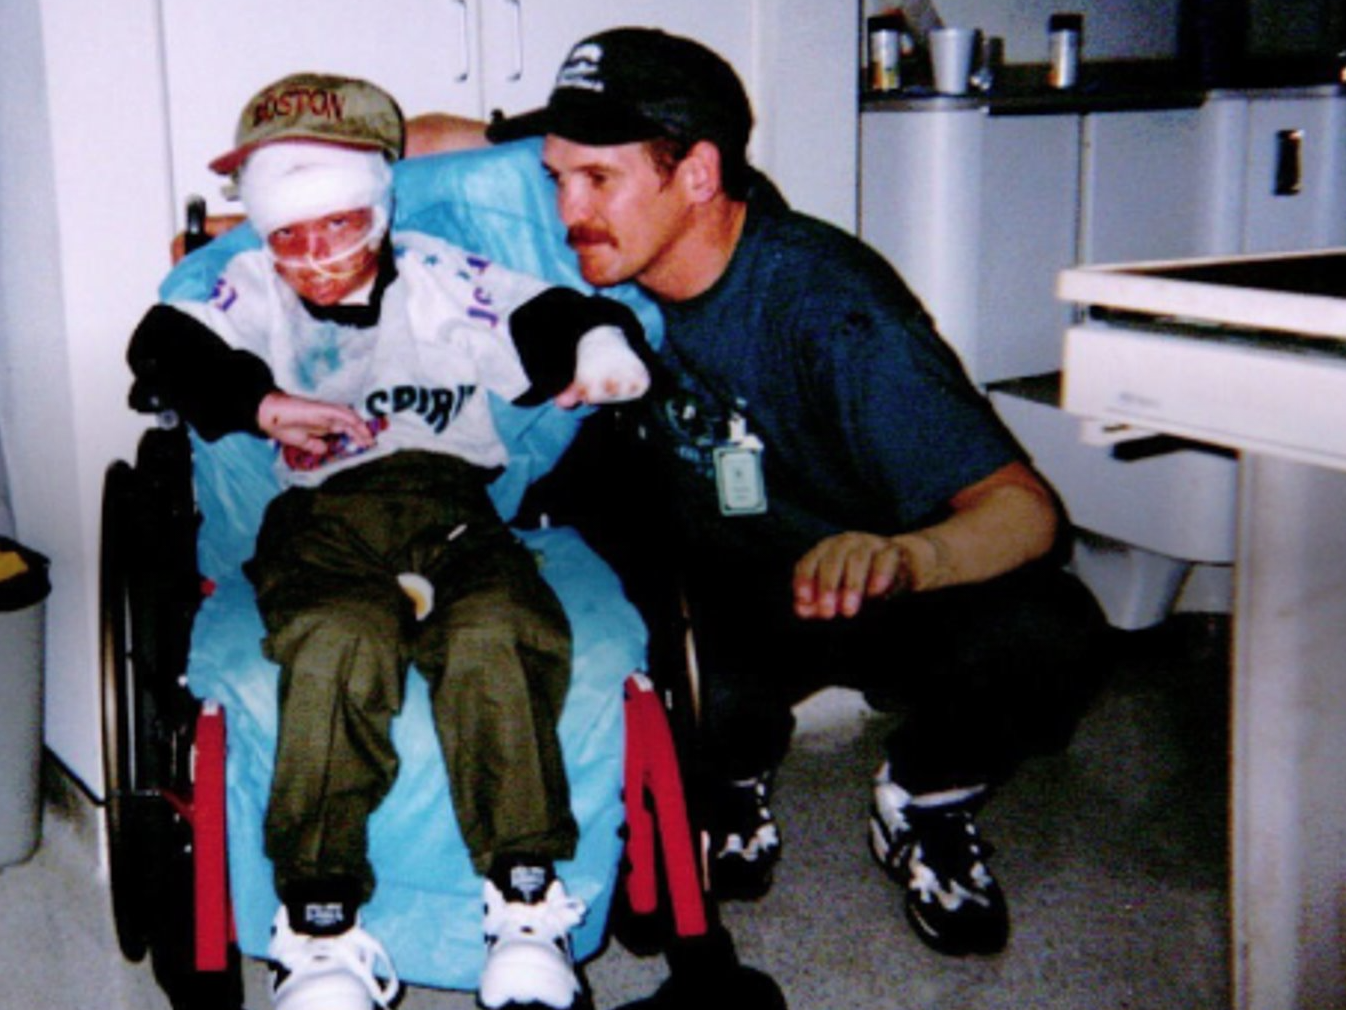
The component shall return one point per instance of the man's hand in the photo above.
(606, 370)
(310, 425)
(841, 572)
(997, 524)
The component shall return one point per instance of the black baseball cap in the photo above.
(632, 84)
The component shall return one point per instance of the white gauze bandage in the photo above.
(292, 181)
(606, 368)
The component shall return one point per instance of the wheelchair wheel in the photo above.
(148, 591)
(128, 818)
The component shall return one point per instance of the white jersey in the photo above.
(419, 375)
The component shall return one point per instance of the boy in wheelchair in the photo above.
(365, 357)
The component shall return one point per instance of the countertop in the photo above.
(1022, 89)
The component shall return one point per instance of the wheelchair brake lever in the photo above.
(194, 237)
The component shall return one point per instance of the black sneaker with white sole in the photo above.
(745, 840)
(933, 851)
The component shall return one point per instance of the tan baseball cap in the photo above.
(318, 107)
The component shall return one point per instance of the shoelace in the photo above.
(552, 918)
(355, 951)
(948, 858)
(743, 806)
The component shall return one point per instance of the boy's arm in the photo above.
(215, 387)
(313, 426)
(560, 331)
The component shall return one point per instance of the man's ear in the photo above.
(700, 170)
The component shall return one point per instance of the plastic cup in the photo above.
(951, 55)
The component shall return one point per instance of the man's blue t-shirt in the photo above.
(867, 418)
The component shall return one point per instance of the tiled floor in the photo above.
(1112, 854)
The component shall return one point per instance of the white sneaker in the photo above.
(528, 953)
(328, 972)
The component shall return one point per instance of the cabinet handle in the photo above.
(465, 48)
(517, 72)
(1289, 174)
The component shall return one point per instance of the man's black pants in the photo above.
(983, 675)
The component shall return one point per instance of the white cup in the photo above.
(951, 55)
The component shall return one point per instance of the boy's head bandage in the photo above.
(291, 181)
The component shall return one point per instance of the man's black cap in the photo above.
(633, 84)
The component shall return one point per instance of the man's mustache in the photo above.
(580, 235)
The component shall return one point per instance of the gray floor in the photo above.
(1112, 854)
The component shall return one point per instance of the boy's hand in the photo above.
(310, 425)
(606, 370)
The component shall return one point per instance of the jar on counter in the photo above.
(884, 33)
(1064, 36)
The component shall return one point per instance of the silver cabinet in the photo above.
(1145, 185)
(1281, 183)
(978, 213)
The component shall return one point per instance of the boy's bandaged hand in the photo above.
(310, 425)
(606, 370)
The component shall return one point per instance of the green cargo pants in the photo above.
(495, 651)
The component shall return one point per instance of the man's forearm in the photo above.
(997, 525)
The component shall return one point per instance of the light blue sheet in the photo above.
(427, 908)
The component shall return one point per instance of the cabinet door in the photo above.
(978, 214)
(797, 60)
(1029, 219)
(461, 56)
(472, 56)
(218, 54)
(1296, 170)
(1146, 190)
(525, 41)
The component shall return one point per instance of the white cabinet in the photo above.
(978, 213)
(1281, 184)
(1145, 186)
(981, 213)
(462, 56)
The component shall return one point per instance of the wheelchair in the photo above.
(189, 706)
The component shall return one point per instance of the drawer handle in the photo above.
(464, 43)
(1289, 174)
(517, 73)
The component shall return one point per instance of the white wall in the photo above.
(814, 75)
(80, 115)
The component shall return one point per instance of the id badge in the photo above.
(738, 478)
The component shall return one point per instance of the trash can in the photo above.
(24, 584)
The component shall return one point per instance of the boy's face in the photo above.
(327, 258)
